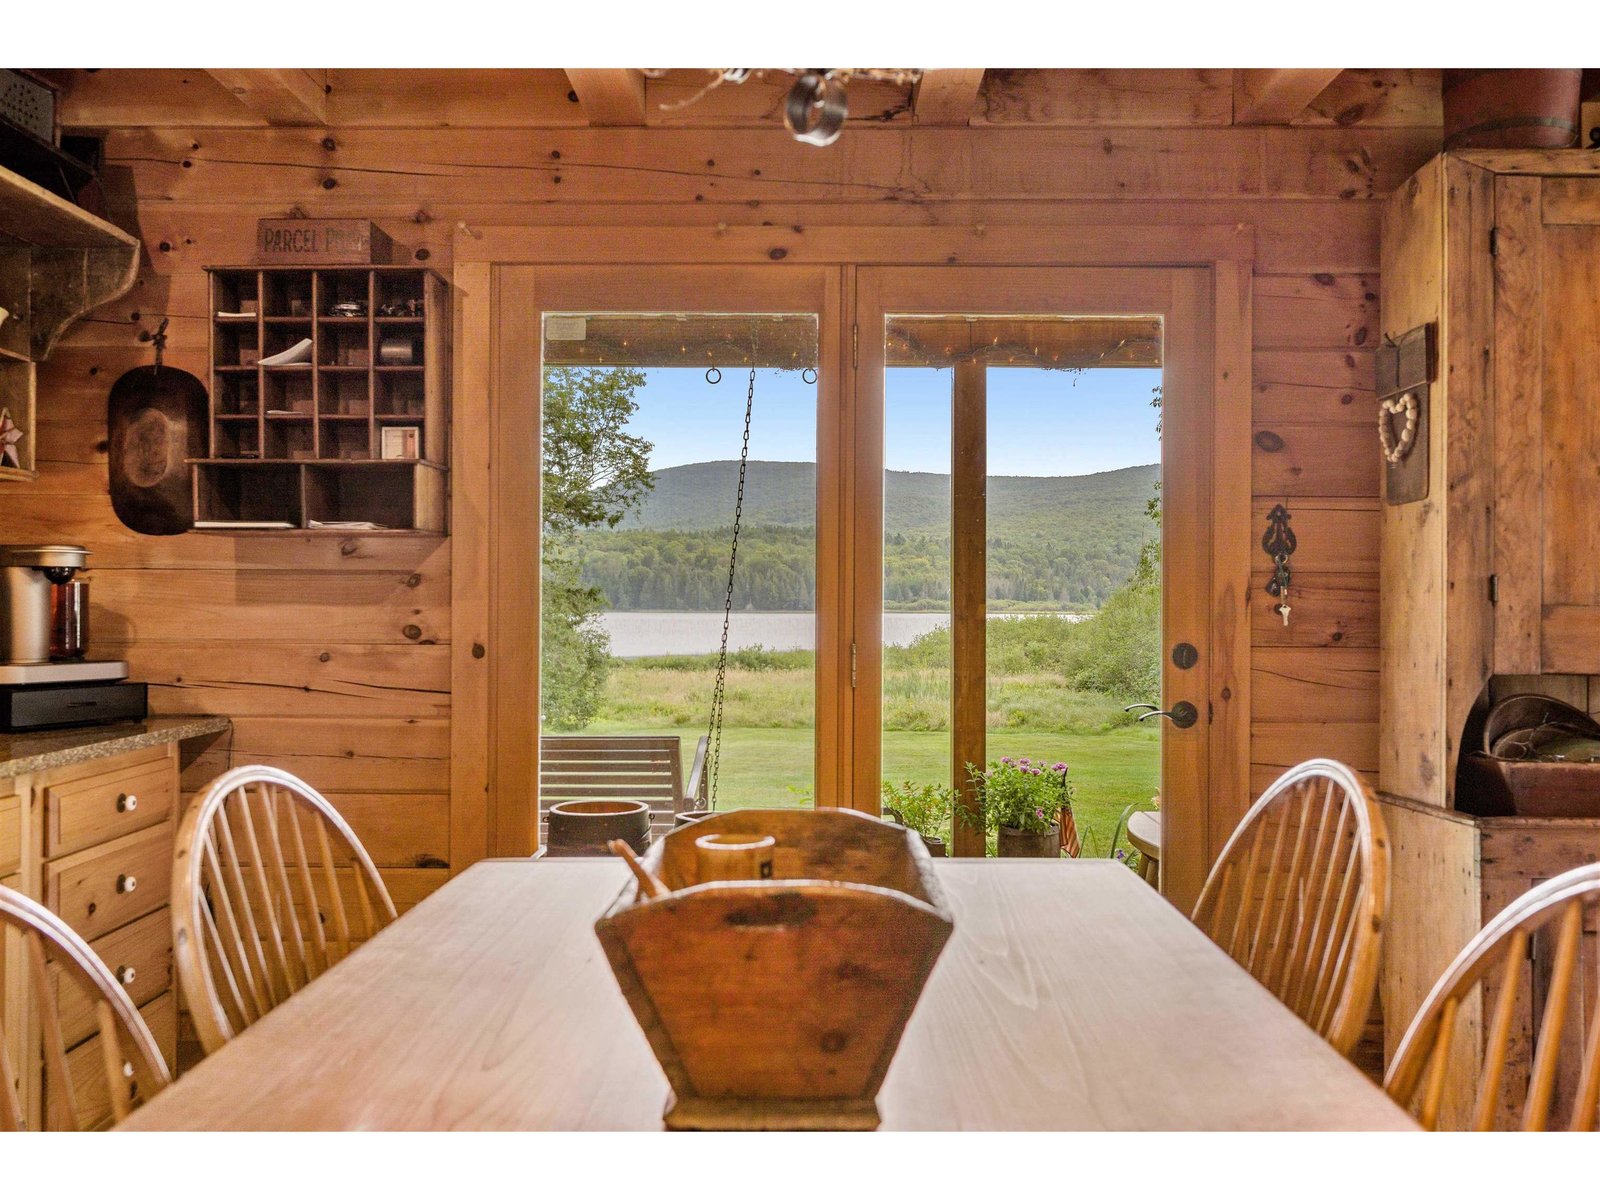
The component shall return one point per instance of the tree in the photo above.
(594, 472)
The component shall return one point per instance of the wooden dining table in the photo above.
(1070, 997)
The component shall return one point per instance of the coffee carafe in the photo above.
(26, 576)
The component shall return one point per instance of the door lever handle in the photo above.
(1131, 707)
(1182, 714)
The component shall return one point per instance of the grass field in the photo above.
(772, 768)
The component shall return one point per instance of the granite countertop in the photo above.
(24, 753)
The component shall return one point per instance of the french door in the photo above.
(1193, 320)
(968, 321)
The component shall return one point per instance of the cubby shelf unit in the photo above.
(304, 443)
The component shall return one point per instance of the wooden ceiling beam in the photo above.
(280, 96)
(946, 97)
(1278, 96)
(609, 97)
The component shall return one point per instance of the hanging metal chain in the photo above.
(714, 728)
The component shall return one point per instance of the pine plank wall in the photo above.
(332, 655)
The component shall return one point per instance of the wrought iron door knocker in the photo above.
(1279, 541)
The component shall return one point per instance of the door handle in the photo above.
(1131, 707)
(1182, 714)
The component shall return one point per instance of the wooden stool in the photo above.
(1144, 835)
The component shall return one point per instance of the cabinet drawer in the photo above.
(10, 833)
(98, 890)
(139, 955)
(86, 812)
(88, 1069)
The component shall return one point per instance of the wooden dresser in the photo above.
(91, 837)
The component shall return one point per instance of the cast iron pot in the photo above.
(581, 828)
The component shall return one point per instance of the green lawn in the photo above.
(772, 768)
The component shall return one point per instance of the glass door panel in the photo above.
(679, 461)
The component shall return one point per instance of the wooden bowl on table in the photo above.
(779, 1003)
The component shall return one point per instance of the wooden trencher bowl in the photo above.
(779, 1003)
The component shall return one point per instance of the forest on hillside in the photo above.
(1063, 543)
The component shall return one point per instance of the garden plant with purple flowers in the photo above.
(1019, 793)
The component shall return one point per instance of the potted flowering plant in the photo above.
(923, 807)
(1023, 801)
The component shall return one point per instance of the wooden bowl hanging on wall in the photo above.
(157, 421)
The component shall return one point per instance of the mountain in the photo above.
(1054, 542)
(700, 496)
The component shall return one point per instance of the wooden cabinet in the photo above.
(1491, 582)
(93, 841)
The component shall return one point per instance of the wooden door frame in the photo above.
(495, 674)
(1186, 298)
(483, 786)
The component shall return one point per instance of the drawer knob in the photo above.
(126, 884)
(126, 803)
(125, 975)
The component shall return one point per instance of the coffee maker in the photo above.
(46, 678)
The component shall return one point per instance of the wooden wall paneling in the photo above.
(1313, 684)
(1434, 910)
(1412, 756)
(335, 755)
(324, 679)
(1316, 311)
(969, 439)
(1320, 460)
(1306, 236)
(276, 166)
(1329, 609)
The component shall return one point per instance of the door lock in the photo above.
(1182, 714)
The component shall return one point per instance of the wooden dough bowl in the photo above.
(779, 1003)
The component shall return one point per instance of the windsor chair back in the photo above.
(1541, 1006)
(270, 888)
(130, 1069)
(1298, 896)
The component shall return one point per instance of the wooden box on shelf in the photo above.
(301, 399)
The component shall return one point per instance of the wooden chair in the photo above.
(622, 767)
(130, 1068)
(1299, 893)
(267, 883)
(1537, 990)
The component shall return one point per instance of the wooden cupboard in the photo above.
(93, 840)
(1491, 581)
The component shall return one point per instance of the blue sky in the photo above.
(1040, 422)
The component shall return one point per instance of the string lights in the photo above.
(816, 105)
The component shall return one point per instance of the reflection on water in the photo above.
(642, 634)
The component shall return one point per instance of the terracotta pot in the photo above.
(1016, 844)
(581, 828)
(935, 845)
(1506, 108)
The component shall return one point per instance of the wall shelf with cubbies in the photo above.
(329, 400)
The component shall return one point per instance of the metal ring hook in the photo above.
(809, 374)
(713, 375)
